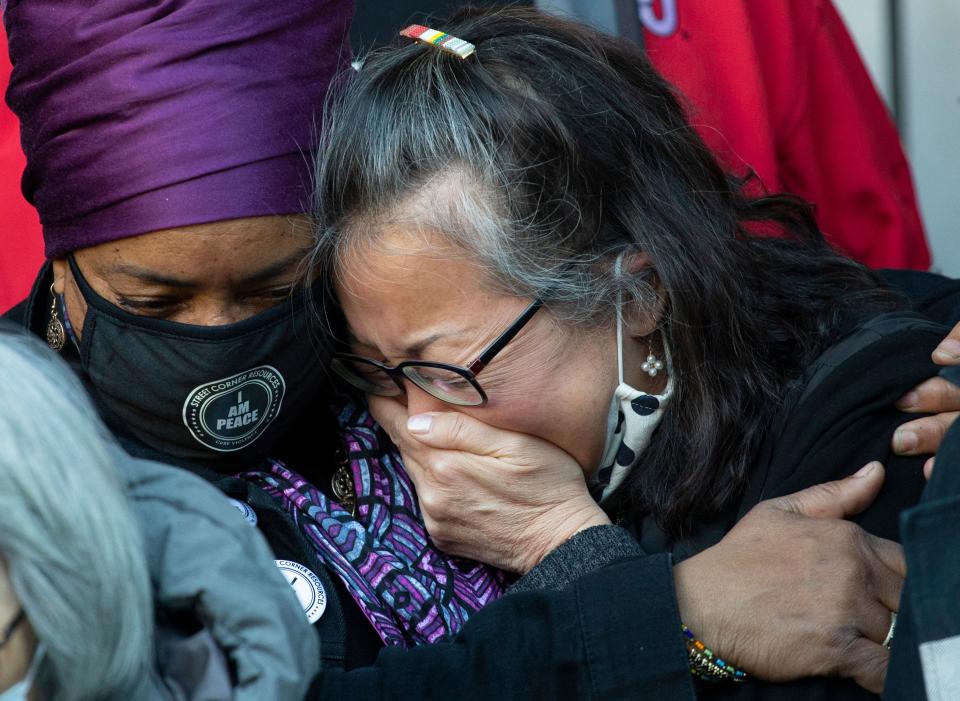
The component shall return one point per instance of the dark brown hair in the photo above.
(573, 149)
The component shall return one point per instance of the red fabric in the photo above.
(778, 85)
(21, 242)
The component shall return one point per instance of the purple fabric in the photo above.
(139, 115)
(411, 592)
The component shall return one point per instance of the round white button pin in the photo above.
(307, 586)
(249, 515)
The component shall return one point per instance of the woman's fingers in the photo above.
(450, 430)
(839, 499)
(932, 396)
(866, 663)
(923, 436)
(948, 352)
(891, 555)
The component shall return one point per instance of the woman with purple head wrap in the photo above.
(168, 150)
(168, 147)
(167, 153)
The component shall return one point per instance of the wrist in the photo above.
(698, 604)
(562, 528)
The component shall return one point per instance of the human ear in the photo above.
(640, 319)
(60, 272)
(65, 284)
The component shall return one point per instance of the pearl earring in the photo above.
(653, 364)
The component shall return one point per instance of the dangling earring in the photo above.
(653, 364)
(56, 335)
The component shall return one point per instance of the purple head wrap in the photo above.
(139, 115)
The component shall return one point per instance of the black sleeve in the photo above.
(613, 634)
(935, 296)
(845, 417)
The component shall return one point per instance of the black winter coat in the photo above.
(578, 641)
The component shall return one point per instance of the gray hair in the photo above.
(435, 158)
(73, 550)
(549, 152)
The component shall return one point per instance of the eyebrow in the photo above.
(157, 278)
(412, 351)
(416, 349)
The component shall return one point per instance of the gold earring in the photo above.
(56, 335)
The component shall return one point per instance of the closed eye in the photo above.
(151, 306)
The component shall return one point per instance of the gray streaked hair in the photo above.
(73, 550)
(436, 161)
(542, 157)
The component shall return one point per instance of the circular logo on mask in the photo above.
(231, 413)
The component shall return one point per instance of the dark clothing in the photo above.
(575, 643)
(565, 644)
(840, 416)
(840, 419)
(925, 657)
(576, 638)
(348, 640)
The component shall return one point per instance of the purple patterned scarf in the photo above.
(409, 590)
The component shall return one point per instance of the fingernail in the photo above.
(908, 401)
(948, 351)
(420, 423)
(905, 441)
(867, 469)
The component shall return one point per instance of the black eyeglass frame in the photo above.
(469, 372)
(12, 627)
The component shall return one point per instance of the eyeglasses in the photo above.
(11, 627)
(453, 384)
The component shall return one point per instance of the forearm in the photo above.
(579, 642)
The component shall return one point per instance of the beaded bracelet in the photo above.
(707, 666)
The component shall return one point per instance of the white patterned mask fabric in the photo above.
(633, 417)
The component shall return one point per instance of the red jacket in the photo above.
(21, 243)
(778, 85)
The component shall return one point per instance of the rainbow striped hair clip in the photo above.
(442, 40)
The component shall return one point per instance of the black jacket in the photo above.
(578, 640)
(551, 643)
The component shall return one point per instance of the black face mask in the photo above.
(206, 393)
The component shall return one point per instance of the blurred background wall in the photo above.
(911, 50)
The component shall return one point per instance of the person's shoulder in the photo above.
(17, 314)
(208, 562)
(178, 490)
(935, 296)
(841, 412)
(28, 314)
(896, 340)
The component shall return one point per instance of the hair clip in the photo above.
(450, 44)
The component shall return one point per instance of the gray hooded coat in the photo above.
(229, 625)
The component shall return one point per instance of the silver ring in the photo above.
(893, 627)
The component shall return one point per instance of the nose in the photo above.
(420, 402)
